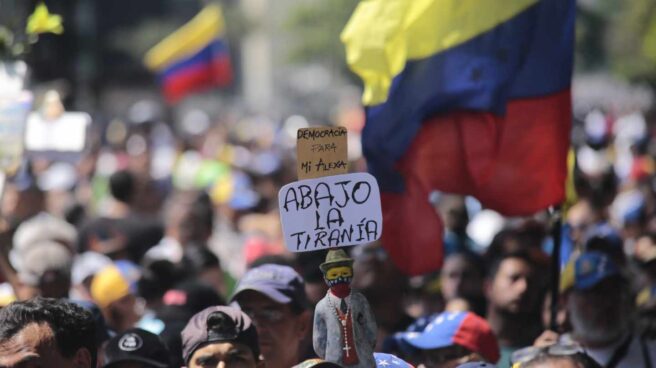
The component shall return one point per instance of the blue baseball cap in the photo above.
(457, 328)
(591, 268)
(396, 341)
(390, 361)
(280, 283)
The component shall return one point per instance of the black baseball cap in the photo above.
(218, 324)
(136, 345)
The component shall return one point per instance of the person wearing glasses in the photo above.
(273, 296)
(602, 312)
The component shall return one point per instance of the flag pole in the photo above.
(556, 227)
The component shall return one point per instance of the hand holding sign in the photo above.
(332, 211)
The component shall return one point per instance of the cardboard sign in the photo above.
(66, 134)
(13, 113)
(328, 212)
(321, 151)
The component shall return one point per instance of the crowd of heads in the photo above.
(157, 249)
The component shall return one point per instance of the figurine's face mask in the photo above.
(339, 275)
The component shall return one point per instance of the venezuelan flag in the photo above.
(193, 58)
(463, 96)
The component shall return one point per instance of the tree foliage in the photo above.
(315, 27)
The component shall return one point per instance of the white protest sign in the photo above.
(64, 134)
(332, 211)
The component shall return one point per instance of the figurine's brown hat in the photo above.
(335, 258)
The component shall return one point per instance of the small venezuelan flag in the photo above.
(193, 58)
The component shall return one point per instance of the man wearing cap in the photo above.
(453, 338)
(46, 271)
(601, 312)
(222, 337)
(344, 326)
(274, 297)
(114, 291)
(136, 348)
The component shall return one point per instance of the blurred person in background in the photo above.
(21, 200)
(85, 266)
(424, 296)
(461, 281)
(47, 333)
(157, 276)
(114, 290)
(453, 211)
(46, 271)
(179, 304)
(605, 239)
(579, 219)
(123, 232)
(381, 282)
(222, 337)
(40, 260)
(514, 298)
(189, 220)
(207, 268)
(601, 309)
(274, 297)
(315, 286)
(644, 258)
(453, 338)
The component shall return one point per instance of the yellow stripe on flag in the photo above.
(189, 39)
(571, 197)
(382, 35)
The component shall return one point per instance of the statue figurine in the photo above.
(344, 326)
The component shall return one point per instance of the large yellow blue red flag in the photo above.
(462, 96)
(193, 58)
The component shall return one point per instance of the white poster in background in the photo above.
(65, 134)
(332, 211)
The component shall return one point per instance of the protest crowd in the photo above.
(154, 239)
(111, 263)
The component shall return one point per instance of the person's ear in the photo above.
(487, 287)
(304, 323)
(82, 358)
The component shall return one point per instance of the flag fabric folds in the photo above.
(193, 58)
(462, 96)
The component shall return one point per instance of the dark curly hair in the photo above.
(71, 324)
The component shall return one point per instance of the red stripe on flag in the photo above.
(197, 78)
(514, 164)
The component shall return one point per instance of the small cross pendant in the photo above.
(346, 348)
